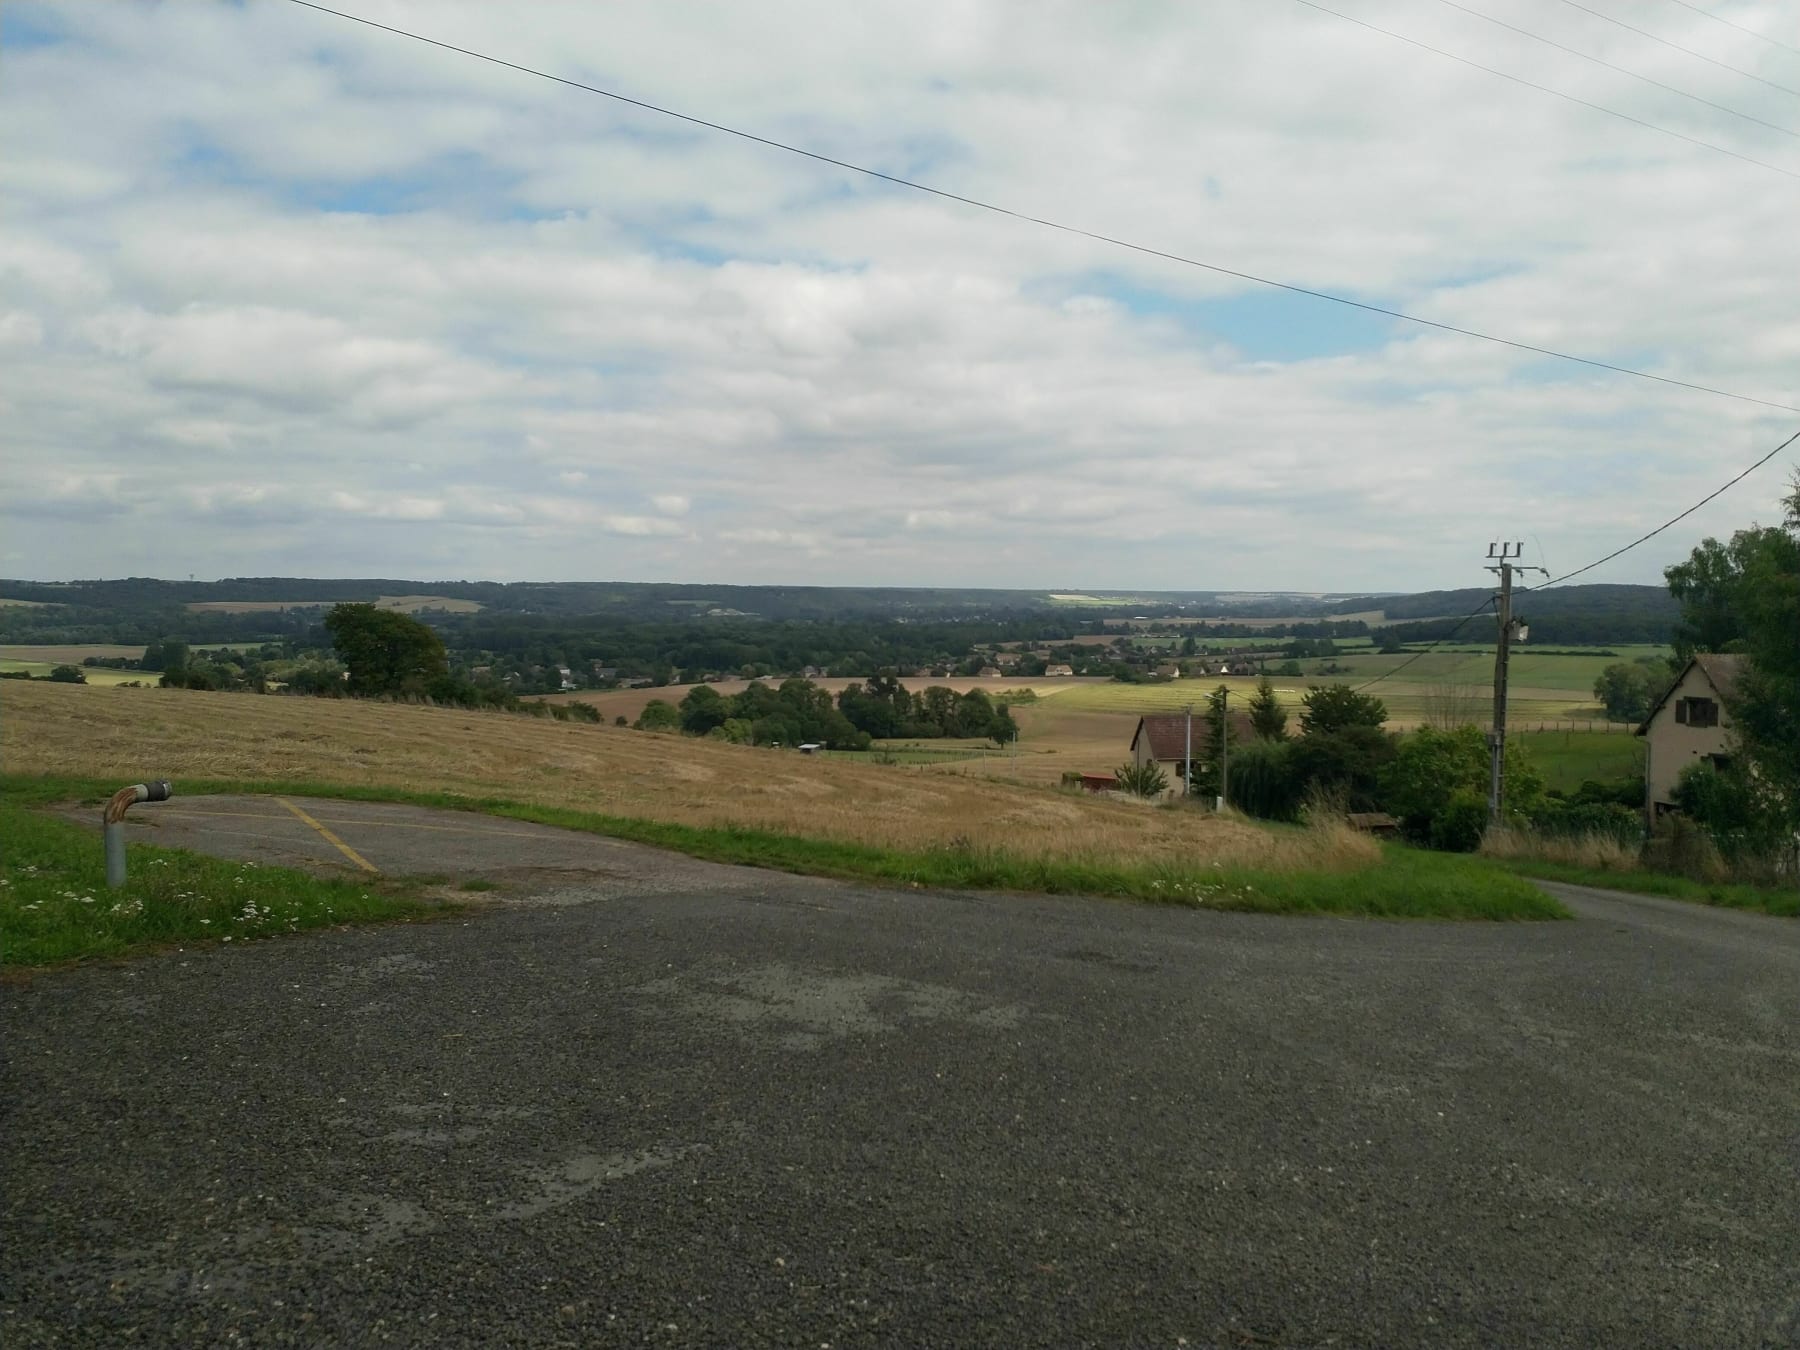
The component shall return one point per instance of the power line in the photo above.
(1541, 88)
(1461, 624)
(1719, 18)
(1672, 520)
(1676, 46)
(1599, 61)
(1097, 237)
(1464, 621)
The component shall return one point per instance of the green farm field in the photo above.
(1567, 759)
(1408, 700)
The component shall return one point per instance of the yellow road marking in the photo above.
(331, 838)
(335, 820)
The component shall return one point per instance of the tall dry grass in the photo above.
(125, 735)
(1594, 850)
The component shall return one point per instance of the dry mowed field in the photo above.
(23, 604)
(63, 655)
(406, 604)
(124, 735)
(39, 670)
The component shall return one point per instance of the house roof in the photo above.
(1168, 733)
(1721, 670)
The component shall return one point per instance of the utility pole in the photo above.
(1224, 746)
(1187, 764)
(1502, 561)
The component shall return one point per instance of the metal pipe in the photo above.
(113, 822)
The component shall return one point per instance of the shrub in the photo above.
(68, 675)
(1263, 782)
(1457, 825)
(658, 715)
(1145, 780)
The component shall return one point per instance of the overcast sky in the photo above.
(283, 294)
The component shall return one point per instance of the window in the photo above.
(1697, 712)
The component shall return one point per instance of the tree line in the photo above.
(799, 712)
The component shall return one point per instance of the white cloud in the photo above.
(262, 265)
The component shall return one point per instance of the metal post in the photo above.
(1187, 764)
(113, 822)
(1224, 745)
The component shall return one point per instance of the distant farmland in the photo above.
(57, 654)
(405, 604)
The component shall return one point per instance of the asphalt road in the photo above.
(753, 1110)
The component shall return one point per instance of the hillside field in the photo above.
(125, 735)
(57, 655)
(39, 670)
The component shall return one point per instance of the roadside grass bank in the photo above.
(55, 906)
(1386, 881)
(1602, 860)
(1783, 902)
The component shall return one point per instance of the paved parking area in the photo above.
(766, 1111)
(531, 861)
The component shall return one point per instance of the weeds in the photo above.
(55, 905)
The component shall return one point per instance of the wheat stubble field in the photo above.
(131, 734)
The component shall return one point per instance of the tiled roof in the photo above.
(1721, 670)
(1168, 733)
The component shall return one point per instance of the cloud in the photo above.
(281, 288)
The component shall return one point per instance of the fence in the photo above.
(1571, 724)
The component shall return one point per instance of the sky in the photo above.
(282, 294)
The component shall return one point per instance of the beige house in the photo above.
(1162, 738)
(1689, 724)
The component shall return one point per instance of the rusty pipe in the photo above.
(113, 822)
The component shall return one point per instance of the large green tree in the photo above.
(1626, 689)
(1267, 717)
(386, 652)
(1711, 586)
(1333, 707)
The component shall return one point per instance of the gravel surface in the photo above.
(763, 1111)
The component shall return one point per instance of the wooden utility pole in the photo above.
(1224, 747)
(1187, 764)
(1502, 556)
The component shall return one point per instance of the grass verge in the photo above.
(55, 906)
(1781, 901)
(1403, 883)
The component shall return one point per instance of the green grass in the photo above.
(1568, 758)
(1783, 901)
(1407, 883)
(55, 905)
